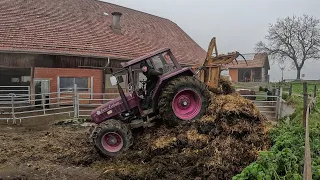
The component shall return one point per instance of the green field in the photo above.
(285, 158)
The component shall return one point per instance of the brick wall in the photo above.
(54, 73)
(234, 74)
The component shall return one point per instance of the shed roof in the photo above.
(259, 60)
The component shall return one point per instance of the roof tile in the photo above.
(79, 27)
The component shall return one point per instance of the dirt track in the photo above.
(39, 150)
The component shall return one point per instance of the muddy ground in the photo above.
(216, 147)
(38, 149)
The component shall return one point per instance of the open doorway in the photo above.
(42, 90)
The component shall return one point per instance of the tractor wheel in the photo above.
(182, 100)
(112, 137)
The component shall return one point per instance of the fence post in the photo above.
(315, 91)
(290, 90)
(280, 102)
(75, 101)
(43, 103)
(59, 95)
(307, 172)
(305, 103)
(277, 93)
(12, 109)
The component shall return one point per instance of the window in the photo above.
(25, 78)
(67, 83)
(157, 62)
(163, 63)
(15, 80)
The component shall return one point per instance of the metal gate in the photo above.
(269, 105)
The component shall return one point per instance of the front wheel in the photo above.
(112, 138)
(183, 99)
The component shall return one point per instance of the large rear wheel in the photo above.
(112, 137)
(182, 100)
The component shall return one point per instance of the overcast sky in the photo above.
(237, 24)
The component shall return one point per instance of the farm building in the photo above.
(48, 46)
(255, 70)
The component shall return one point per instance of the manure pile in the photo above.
(218, 146)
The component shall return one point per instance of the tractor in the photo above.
(180, 96)
(177, 96)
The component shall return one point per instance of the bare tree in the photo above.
(293, 39)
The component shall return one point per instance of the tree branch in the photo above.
(293, 39)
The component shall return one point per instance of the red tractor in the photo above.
(178, 96)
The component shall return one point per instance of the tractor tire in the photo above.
(183, 99)
(112, 137)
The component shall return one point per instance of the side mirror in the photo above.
(113, 80)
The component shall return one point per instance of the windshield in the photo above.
(163, 63)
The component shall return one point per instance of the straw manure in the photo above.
(217, 146)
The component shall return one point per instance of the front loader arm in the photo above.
(212, 46)
(211, 67)
(208, 60)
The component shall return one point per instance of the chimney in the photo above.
(116, 22)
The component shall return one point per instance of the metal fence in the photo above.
(269, 105)
(79, 104)
(21, 91)
(73, 103)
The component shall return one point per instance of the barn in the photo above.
(254, 69)
(48, 46)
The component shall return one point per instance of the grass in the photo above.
(297, 87)
(284, 160)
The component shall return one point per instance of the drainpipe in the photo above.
(104, 78)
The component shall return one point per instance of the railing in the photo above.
(22, 91)
(86, 105)
(74, 103)
(45, 105)
(267, 104)
(307, 107)
(70, 90)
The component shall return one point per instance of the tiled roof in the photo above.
(79, 27)
(258, 60)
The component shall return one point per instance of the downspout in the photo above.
(104, 77)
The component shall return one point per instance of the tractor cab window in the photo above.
(158, 63)
(163, 63)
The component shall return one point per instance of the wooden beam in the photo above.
(305, 103)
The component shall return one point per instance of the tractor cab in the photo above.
(161, 63)
(130, 104)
